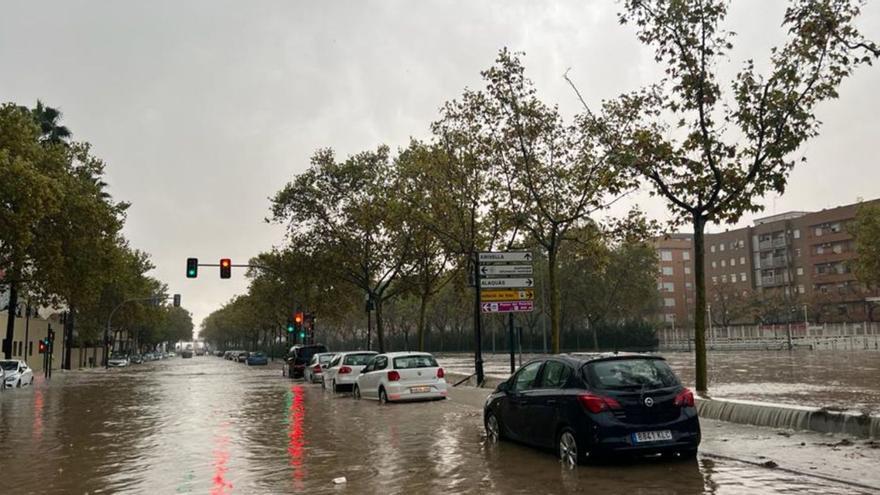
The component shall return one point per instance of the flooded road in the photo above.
(846, 380)
(206, 425)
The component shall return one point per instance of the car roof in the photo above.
(406, 353)
(346, 353)
(580, 358)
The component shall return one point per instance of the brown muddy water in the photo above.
(210, 426)
(845, 380)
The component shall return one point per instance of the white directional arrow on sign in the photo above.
(501, 283)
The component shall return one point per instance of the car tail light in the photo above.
(393, 376)
(317, 368)
(597, 403)
(344, 370)
(440, 373)
(684, 399)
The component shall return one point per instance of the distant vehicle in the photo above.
(200, 351)
(118, 360)
(172, 354)
(241, 356)
(401, 376)
(314, 370)
(299, 356)
(344, 368)
(219, 353)
(257, 359)
(16, 373)
(136, 359)
(590, 405)
(186, 353)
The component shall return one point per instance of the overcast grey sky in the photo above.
(203, 109)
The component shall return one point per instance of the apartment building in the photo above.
(802, 259)
(675, 280)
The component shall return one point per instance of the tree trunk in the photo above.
(10, 321)
(423, 308)
(595, 335)
(554, 300)
(380, 331)
(699, 224)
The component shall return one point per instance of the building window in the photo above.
(30, 348)
(714, 280)
(800, 270)
(688, 285)
(721, 247)
(714, 265)
(723, 278)
(712, 248)
(666, 255)
(686, 255)
(732, 261)
(668, 287)
(723, 263)
(742, 260)
(669, 318)
(797, 233)
(742, 243)
(797, 252)
(800, 289)
(687, 270)
(743, 277)
(667, 270)
(669, 302)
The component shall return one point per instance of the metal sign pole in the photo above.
(512, 343)
(478, 348)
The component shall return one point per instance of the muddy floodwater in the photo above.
(845, 379)
(209, 426)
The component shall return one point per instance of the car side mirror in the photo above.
(503, 387)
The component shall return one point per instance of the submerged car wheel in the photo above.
(356, 392)
(493, 428)
(18, 383)
(568, 448)
(383, 397)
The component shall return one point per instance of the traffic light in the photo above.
(298, 318)
(302, 334)
(43, 346)
(192, 267)
(176, 300)
(51, 337)
(290, 327)
(225, 268)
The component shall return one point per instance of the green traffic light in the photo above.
(302, 335)
(289, 328)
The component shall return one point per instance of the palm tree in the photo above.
(48, 119)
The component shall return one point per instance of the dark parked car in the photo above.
(590, 405)
(299, 356)
(136, 359)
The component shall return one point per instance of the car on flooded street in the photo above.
(257, 359)
(16, 373)
(118, 360)
(595, 405)
(314, 371)
(401, 376)
(241, 356)
(136, 359)
(342, 371)
(298, 358)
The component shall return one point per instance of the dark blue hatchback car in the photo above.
(592, 405)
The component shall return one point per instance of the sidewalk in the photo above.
(833, 457)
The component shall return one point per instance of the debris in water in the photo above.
(783, 433)
(769, 464)
(340, 480)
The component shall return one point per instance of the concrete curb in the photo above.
(754, 413)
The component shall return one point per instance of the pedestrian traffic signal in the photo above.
(225, 268)
(176, 300)
(43, 346)
(192, 267)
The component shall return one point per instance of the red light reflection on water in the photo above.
(38, 413)
(221, 459)
(296, 436)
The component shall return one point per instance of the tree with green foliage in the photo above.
(714, 152)
(866, 230)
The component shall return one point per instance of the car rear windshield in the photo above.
(325, 358)
(406, 362)
(357, 359)
(8, 365)
(305, 354)
(624, 374)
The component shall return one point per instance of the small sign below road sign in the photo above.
(503, 283)
(490, 270)
(507, 307)
(506, 256)
(507, 295)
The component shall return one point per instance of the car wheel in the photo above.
(493, 428)
(356, 392)
(18, 383)
(567, 448)
(334, 387)
(383, 397)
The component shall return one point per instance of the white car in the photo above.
(16, 373)
(118, 361)
(343, 370)
(401, 376)
(314, 371)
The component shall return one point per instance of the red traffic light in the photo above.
(225, 268)
(43, 347)
(298, 317)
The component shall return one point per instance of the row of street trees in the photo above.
(504, 170)
(61, 244)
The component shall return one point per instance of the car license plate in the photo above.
(420, 390)
(651, 436)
